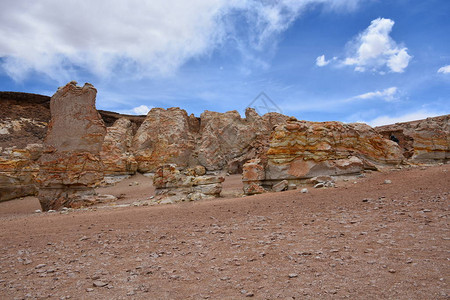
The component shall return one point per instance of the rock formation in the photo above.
(172, 185)
(217, 141)
(228, 141)
(18, 171)
(71, 165)
(422, 141)
(116, 153)
(166, 136)
(300, 150)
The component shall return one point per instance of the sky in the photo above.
(372, 61)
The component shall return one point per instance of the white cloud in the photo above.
(137, 37)
(386, 94)
(321, 61)
(139, 110)
(375, 50)
(418, 115)
(444, 69)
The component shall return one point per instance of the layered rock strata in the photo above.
(71, 165)
(422, 141)
(173, 185)
(300, 150)
(18, 171)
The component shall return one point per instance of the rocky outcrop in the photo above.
(166, 136)
(300, 150)
(18, 171)
(422, 141)
(228, 141)
(71, 165)
(173, 185)
(116, 153)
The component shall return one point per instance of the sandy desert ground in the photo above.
(364, 239)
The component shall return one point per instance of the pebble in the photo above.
(392, 271)
(89, 290)
(99, 283)
(37, 211)
(40, 266)
(304, 190)
(387, 181)
(293, 275)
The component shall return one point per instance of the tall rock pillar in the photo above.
(71, 165)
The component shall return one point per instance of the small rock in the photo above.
(319, 185)
(83, 238)
(392, 271)
(304, 191)
(387, 181)
(89, 290)
(249, 294)
(40, 266)
(293, 275)
(37, 211)
(99, 283)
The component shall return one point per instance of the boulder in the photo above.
(173, 185)
(116, 154)
(70, 165)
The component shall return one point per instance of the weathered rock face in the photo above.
(300, 150)
(422, 141)
(116, 154)
(172, 185)
(228, 141)
(166, 136)
(71, 165)
(18, 171)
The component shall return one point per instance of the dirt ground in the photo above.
(361, 240)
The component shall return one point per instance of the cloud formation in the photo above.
(321, 61)
(413, 116)
(386, 94)
(444, 69)
(140, 38)
(375, 50)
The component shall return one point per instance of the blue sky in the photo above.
(371, 61)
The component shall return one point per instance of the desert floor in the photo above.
(364, 239)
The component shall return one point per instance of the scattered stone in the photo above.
(40, 266)
(319, 185)
(387, 181)
(37, 211)
(99, 283)
(293, 275)
(280, 186)
(89, 290)
(304, 191)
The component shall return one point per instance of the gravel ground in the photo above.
(366, 239)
